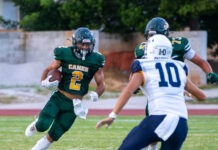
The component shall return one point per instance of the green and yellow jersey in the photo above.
(77, 73)
(181, 49)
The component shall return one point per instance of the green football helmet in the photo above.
(140, 50)
(83, 42)
(156, 25)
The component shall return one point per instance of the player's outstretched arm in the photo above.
(135, 81)
(194, 90)
(212, 77)
(203, 64)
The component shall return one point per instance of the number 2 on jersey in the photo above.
(76, 76)
(170, 68)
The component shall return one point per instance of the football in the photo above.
(56, 75)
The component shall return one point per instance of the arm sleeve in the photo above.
(189, 52)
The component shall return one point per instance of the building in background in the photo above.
(9, 15)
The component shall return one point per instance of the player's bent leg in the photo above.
(176, 140)
(143, 134)
(48, 114)
(43, 123)
(61, 125)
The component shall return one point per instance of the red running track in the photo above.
(102, 112)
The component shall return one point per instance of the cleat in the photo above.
(42, 144)
(31, 129)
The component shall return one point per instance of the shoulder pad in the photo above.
(59, 52)
(136, 67)
(179, 40)
(184, 40)
(100, 58)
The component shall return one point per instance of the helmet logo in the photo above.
(159, 47)
(152, 32)
(86, 41)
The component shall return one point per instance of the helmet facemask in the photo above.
(83, 43)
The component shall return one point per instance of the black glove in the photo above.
(136, 91)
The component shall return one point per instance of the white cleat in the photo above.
(42, 144)
(31, 129)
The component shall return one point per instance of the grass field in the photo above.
(203, 134)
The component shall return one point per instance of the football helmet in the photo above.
(140, 50)
(156, 25)
(159, 47)
(83, 42)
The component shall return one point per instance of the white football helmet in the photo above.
(159, 47)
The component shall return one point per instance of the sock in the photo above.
(42, 144)
(145, 148)
(153, 147)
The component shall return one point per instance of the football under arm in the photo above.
(136, 80)
(194, 90)
(54, 65)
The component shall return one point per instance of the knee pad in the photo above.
(42, 125)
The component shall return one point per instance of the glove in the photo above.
(93, 96)
(80, 109)
(47, 84)
(212, 77)
(136, 91)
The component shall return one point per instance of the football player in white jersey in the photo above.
(164, 81)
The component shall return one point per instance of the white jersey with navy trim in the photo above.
(164, 85)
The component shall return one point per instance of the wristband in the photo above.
(113, 115)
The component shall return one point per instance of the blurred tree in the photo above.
(187, 13)
(136, 13)
(82, 13)
(194, 14)
(40, 15)
(123, 16)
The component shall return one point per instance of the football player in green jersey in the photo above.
(79, 64)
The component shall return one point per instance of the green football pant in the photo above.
(58, 115)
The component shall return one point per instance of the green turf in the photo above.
(203, 134)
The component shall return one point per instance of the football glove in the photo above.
(93, 96)
(136, 91)
(212, 77)
(47, 84)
